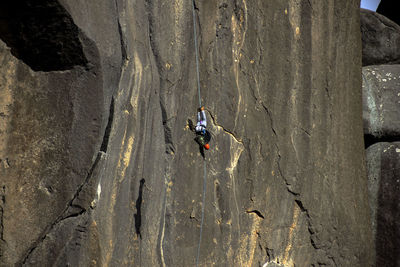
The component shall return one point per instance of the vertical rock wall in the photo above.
(384, 187)
(121, 183)
(381, 116)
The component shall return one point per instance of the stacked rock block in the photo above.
(381, 116)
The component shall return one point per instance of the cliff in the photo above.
(99, 167)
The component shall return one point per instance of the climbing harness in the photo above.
(204, 162)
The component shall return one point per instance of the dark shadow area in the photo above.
(390, 9)
(138, 215)
(42, 34)
(191, 125)
(369, 140)
(387, 240)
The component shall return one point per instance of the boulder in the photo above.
(381, 98)
(99, 166)
(380, 39)
(383, 166)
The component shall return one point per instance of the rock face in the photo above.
(100, 168)
(381, 98)
(381, 116)
(383, 165)
(380, 39)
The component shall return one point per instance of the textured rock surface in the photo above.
(380, 39)
(42, 34)
(98, 164)
(381, 98)
(390, 9)
(383, 165)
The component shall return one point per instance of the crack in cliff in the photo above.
(312, 233)
(77, 210)
(62, 216)
(309, 224)
(256, 212)
(270, 118)
(167, 132)
(107, 131)
(169, 145)
(138, 215)
(287, 184)
(152, 42)
(124, 54)
(2, 202)
(237, 139)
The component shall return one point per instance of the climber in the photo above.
(203, 136)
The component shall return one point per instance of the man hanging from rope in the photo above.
(203, 136)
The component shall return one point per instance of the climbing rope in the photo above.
(196, 52)
(202, 212)
(205, 165)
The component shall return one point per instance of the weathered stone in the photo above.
(285, 172)
(381, 98)
(51, 128)
(42, 34)
(390, 9)
(383, 165)
(380, 39)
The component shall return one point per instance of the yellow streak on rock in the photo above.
(6, 99)
(169, 186)
(235, 151)
(239, 29)
(295, 18)
(286, 260)
(122, 149)
(127, 157)
(123, 162)
(138, 74)
(179, 9)
(250, 243)
(109, 252)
